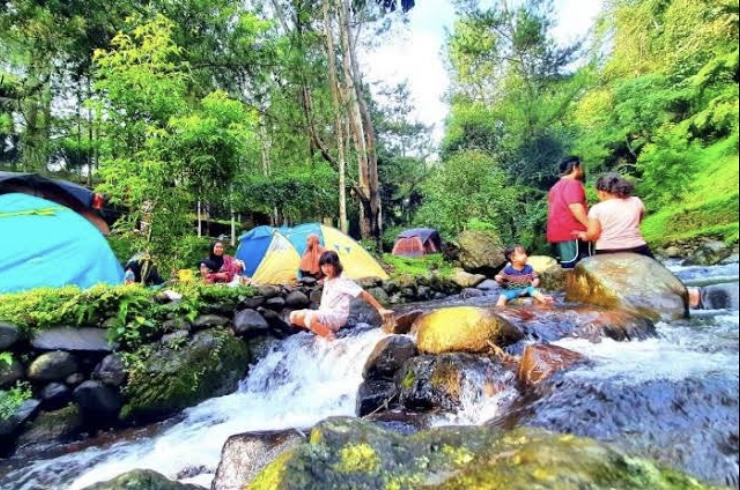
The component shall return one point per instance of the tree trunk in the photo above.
(338, 126)
(364, 134)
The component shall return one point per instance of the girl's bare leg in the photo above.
(322, 330)
(501, 301)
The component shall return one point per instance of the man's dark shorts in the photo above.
(572, 252)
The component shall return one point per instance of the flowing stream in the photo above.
(303, 380)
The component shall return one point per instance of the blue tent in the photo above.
(44, 244)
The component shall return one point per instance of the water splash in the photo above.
(300, 382)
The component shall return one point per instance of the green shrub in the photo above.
(12, 399)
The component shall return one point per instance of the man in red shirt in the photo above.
(568, 214)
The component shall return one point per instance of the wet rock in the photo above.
(468, 293)
(54, 396)
(219, 309)
(175, 339)
(52, 366)
(245, 455)
(10, 374)
(689, 424)
(204, 322)
(480, 252)
(580, 321)
(278, 323)
(361, 313)
(297, 300)
(401, 322)
(540, 361)
(721, 297)
(254, 302)
(275, 304)
(466, 280)
(308, 281)
(9, 335)
(380, 295)
(350, 453)
(52, 428)
(99, 404)
(73, 339)
(27, 410)
(673, 252)
(209, 365)
(489, 285)
(74, 379)
(375, 395)
(142, 480)
(438, 382)
(629, 282)
(463, 329)
(111, 370)
(369, 282)
(388, 357)
(401, 421)
(177, 324)
(269, 292)
(711, 252)
(251, 324)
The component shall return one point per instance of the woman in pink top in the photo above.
(614, 223)
(335, 300)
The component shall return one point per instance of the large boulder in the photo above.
(463, 329)
(401, 323)
(375, 395)
(540, 361)
(480, 252)
(388, 357)
(710, 252)
(111, 370)
(579, 321)
(73, 339)
(170, 379)
(9, 335)
(361, 313)
(245, 455)
(141, 480)
(438, 382)
(55, 396)
(52, 366)
(350, 453)
(630, 282)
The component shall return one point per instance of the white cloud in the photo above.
(416, 56)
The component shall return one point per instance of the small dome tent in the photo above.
(417, 242)
(44, 244)
(273, 256)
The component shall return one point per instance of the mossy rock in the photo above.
(141, 480)
(481, 252)
(167, 379)
(629, 282)
(350, 453)
(463, 329)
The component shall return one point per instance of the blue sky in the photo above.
(416, 55)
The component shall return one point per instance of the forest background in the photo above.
(259, 110)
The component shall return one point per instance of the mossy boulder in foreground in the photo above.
(169, 378)
(142, 480)
(349, 453)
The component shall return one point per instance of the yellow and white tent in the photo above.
(273, 256)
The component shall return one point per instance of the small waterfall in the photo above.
(301, 381)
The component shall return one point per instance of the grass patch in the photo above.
(709, 208)
(418, 266)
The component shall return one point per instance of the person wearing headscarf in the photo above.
(219, 267)
(310, 261)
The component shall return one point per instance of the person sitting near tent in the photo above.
(219, 267)
(333, 312)
(144, 271)
(310, 261)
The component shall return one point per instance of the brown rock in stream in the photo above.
(540, 361)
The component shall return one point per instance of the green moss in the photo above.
(408, 381)
(418, 266)
(708, 207)
(357, 457)
(272, 476)
(459, 456)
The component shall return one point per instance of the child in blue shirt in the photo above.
(518, 279)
